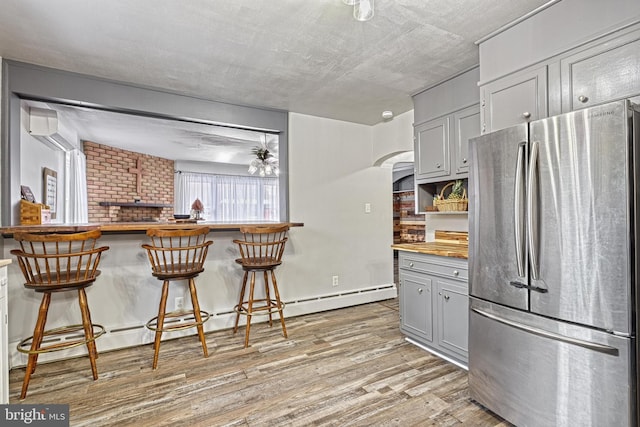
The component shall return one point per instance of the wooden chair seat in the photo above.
(177, 254)
(53, 263)
(261, 250)
(61, 281)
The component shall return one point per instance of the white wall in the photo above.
(394, 136)
(331, 177)
(36, 155)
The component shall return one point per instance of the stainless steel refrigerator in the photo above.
(553, 265)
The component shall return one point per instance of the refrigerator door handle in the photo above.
(551, 335)
(517, 204)
(532, 209)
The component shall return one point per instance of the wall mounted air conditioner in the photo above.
(43, 125)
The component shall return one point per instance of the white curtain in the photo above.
(228, 198)
(76, 203)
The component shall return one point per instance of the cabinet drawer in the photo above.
(442, 266)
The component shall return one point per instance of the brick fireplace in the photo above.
(125, 186)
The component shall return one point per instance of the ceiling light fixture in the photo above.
(362, 9)
(265, 162)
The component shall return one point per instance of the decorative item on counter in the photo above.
(456, 200)
(197, 207)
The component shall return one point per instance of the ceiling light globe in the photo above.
(363, 10)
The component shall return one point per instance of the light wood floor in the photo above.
(339, 368)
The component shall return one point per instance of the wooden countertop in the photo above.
(130, 227)
(455, 250)
(447, 243)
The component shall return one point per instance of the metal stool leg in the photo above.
(38, 332)
(161, 311)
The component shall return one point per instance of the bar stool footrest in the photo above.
(178, 320)
(266, 307)
(59, 335)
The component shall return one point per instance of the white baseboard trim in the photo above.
(118, 337)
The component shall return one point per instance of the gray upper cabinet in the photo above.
(467, 125)
(605, 72)
(432, 150)
(446, 115)
(517, 98)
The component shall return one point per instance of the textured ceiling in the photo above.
(307, 56)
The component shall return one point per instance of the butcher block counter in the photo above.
(447, 243)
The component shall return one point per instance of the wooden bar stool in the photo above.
(177, 254)
(59, 263)
(261, 251)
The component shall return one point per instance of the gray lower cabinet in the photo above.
(434, 303)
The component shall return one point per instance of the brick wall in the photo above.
(407, 226)
(109, 180)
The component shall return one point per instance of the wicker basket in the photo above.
(451, 205)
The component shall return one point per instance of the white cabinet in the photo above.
(4, 338)
(604, 72)
(517, 98)
(434, 303)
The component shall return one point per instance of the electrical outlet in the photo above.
(335, 281)
(367, 208)
(179, 303)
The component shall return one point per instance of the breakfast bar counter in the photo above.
(126, 295)
(132, 227)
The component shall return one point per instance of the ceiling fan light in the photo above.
(363, 10)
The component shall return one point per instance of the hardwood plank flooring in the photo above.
(347, 367)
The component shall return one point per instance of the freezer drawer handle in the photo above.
(533, 288)
(551, 335)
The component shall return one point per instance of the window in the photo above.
(228, 198)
